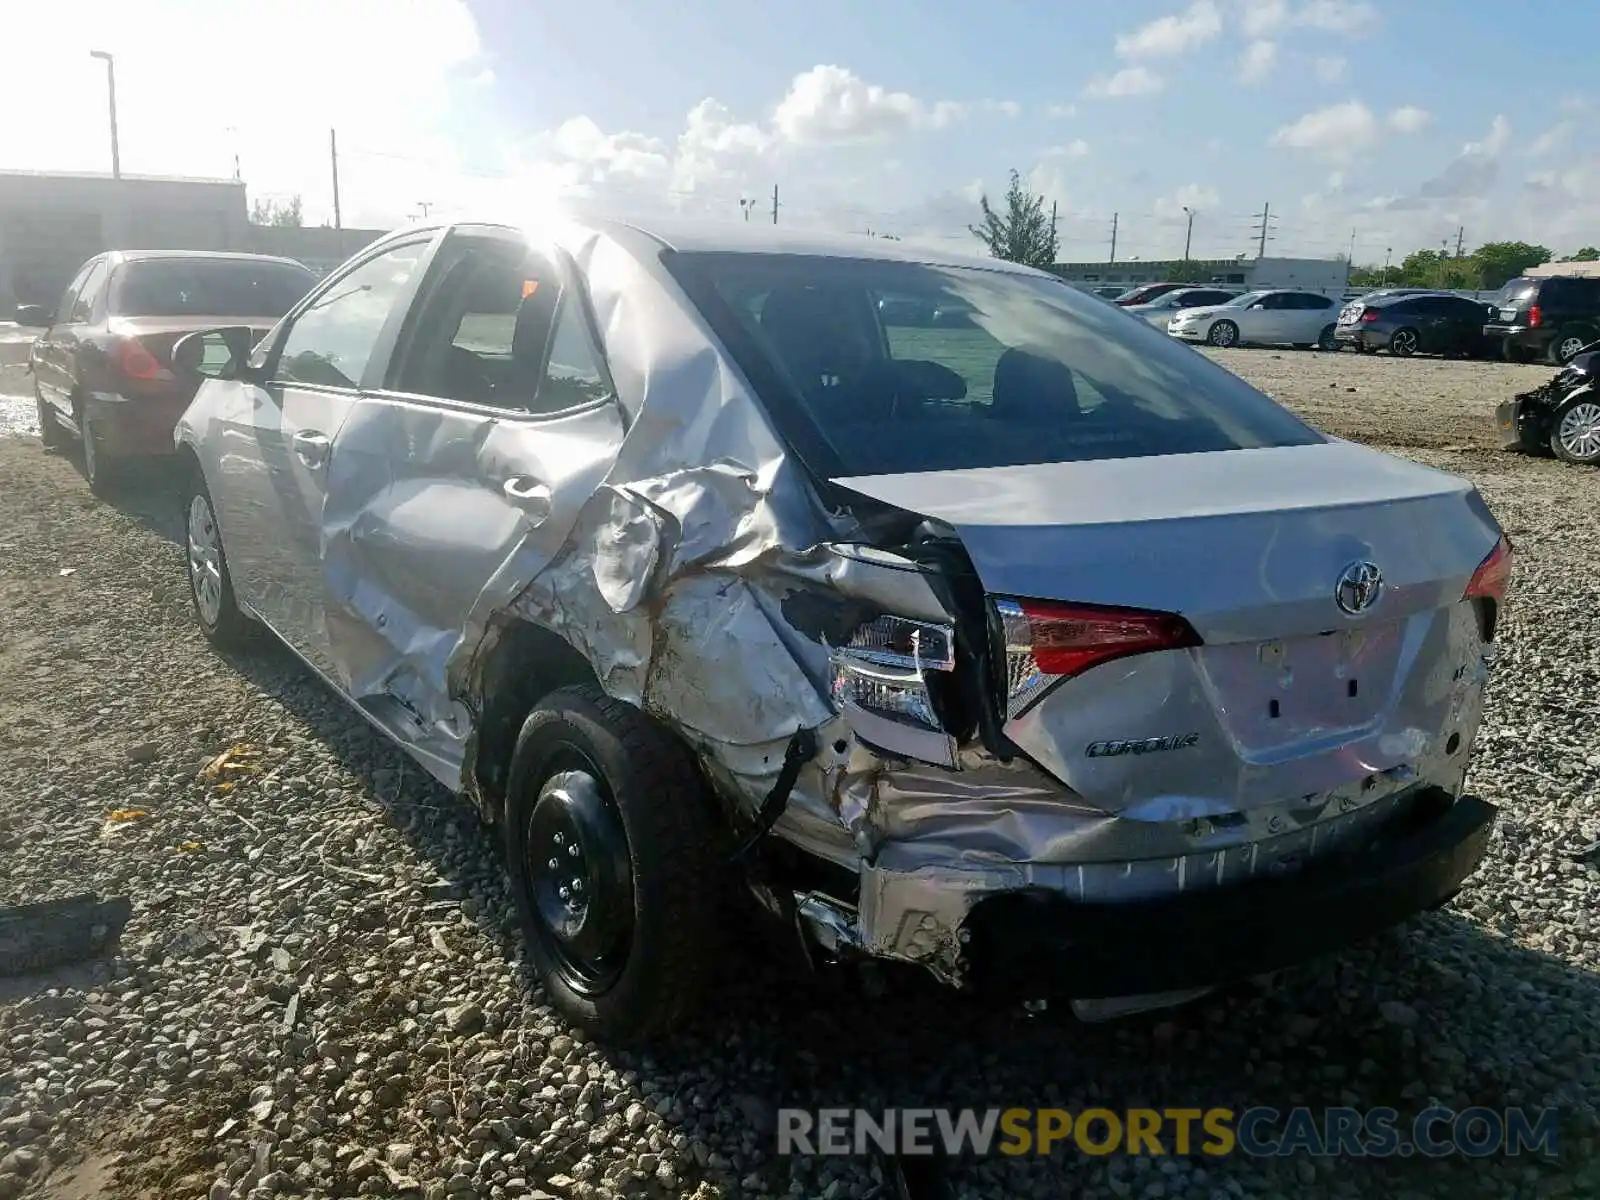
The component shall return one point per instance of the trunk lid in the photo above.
(1289, 694)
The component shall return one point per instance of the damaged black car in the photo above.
(1562, 417)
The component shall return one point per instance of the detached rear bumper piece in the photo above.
(1508, 418)
(1038, 943)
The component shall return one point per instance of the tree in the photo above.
(1500, 261)
(1189, 271)
(270, 212)
(1587, 254)
(1025, 234)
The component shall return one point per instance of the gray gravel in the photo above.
(321, 991)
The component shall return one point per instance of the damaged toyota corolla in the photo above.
(1029, 647)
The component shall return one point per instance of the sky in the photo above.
(1393, 124)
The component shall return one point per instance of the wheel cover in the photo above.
(1569, 346)
(577, 878)
(1223, 334)
(1579, 432)
(1403, 342)
(205, 560)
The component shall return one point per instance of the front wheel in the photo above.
(610, 847)
(1567, 343)
(210, 585)
(1403, 343)
(1223, 334)
(1575, 432)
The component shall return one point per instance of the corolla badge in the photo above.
(1360, 584)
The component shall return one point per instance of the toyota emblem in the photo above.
(1358, 588)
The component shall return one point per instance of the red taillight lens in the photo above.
(135, 362)
(1534, 316)
(1492, 579)
(1046, 640)
(1368, 314)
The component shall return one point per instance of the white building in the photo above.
(1327, 275)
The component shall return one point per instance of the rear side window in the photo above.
(860, 371)
(89, 293)
(216, 287)
(1517, 291)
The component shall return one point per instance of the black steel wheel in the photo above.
(610, 848)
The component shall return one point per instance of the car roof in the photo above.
(220, 255)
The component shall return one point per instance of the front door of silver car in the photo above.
(277, 432)
(452, 485)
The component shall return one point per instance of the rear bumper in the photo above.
(1037, 943)
(134, 427)
(1354, 335)
(1522, 336)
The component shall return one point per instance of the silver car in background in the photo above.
(1029, 648)
(1161, 310)
(1281, 317)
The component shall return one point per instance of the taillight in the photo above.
(1534, 316)
(1046, 641)
(886, 673)
(1492, 579)
(1369, 314)
(135, 362)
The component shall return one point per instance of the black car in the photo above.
(1431, 323)
(1146, 293)
(1560, 418)
(1550, 318)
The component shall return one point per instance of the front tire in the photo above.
(1403, 342)
(1575, 431)
(1566, 344)
(210, 585)
(610, 845)
(1223, 335)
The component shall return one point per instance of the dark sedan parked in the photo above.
(102, 367)
(1405, 325)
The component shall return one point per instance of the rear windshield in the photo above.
(873, 368)
(1517, 290)
(216, 287)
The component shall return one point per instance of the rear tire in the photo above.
(210, 585)
(610, 846)
(1575, 431)
(102, 472)
(1403, 342)
(1326, 340)
(1566, 344)
(50, 432)
(1223, 335)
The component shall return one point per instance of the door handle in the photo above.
(528, 494)
(311, 447)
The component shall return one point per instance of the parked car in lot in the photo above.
(1353, 303)
(1005, 650)
(1161, 311)
(1264, 318)
(102, 365)
(1429, 323)
(1144, 293)
(1551, 318)
(1560, 418)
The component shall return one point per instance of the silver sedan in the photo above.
(995, 643)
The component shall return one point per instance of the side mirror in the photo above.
(1258, 306)
(213, 353)
(35, 316)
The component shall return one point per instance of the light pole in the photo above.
(1188, 234)
(111, 93)
(1387, 251)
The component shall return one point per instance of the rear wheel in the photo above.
(210, 585)
(1403, 343)
(1575, 432)
(1566, 344)
(610, 847)
(1223, 334)
(50, 432)
(101, 470)
(1326, 340)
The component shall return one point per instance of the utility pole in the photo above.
(424, 205)
(1265, 217)
(774, 204)
(1188, 234)
(333, 154)
(111, 96)
(1113, 257)
(1351, 257)
(1461, 231)
(1387, 252)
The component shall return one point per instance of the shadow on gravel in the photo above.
(1381, 1025)
(146, 492)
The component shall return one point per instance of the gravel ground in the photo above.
(321, 991)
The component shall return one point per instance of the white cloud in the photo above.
(1060, 111)
(1006, 108)
(1078, 148)
(1551, 139)
(1171, 35)
(1130, 81)
(580, 140)
(972, 190)
(830, 104)
(1196, 196)
(1410, 119)
(1329, 68)
(1493, 142)
(1261, 17)
(1336, 132)
(1336, 181)
(1338, 16)
(1255, 64)
(710, 137)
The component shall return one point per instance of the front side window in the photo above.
(854, 366)
(333, 337)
